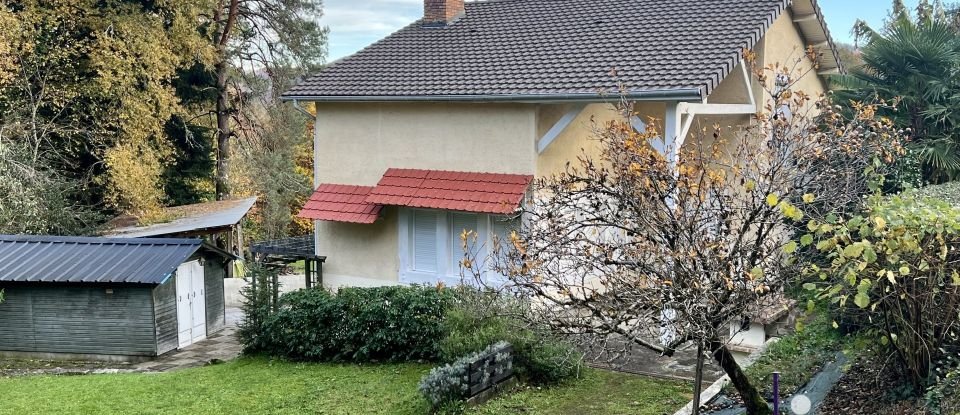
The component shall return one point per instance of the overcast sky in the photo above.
(357, 23)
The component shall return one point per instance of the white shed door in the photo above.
(191, 304)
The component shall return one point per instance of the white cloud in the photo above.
(355, 24)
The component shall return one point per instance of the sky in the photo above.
(355, 24)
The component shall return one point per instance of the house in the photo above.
(442, 125)
(108, 298)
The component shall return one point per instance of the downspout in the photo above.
(298, 107)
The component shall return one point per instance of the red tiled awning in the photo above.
(341, 203)
(449, 190)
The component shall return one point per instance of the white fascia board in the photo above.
(716, 109)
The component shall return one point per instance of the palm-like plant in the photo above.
(913, 64)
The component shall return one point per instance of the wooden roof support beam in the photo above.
(558, 128)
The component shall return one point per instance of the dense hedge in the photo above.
(355, 325)
(399, 324)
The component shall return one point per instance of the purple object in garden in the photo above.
(776, 393)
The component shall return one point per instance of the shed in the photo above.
(125, 299)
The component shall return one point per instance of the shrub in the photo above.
(257, 306)
(450, 383)
(393, 323)
(356, 325)
(894, 272)
(480, 318)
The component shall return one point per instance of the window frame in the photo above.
(447, 239)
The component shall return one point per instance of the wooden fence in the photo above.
(490, 370)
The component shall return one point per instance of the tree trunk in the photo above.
(223, 133)
(752, 400)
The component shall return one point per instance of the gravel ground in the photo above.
(24, 367)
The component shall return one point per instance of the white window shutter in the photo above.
(424, 241)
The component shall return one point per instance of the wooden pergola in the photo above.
(283, 252)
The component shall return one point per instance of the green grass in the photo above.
(297, 267)
(598, 392)
(261, 386)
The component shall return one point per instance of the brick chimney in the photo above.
(440, 13)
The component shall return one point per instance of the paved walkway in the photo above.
(218, 347)
(641, 361)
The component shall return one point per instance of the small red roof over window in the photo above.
(450, 190)
(341, 203)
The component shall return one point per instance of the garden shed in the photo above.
(108, 298)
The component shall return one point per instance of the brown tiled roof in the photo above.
(341, 203)
(449, 190)
(525, 49)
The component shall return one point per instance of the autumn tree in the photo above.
(97, 79)
(633, 248)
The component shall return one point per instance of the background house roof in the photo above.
(64, 259)
(186, 219)
(524, 49)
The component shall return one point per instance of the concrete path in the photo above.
(681, 366)
(220, 346)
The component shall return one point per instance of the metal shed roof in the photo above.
(185, 219)
(62, 259)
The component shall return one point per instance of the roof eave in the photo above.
(822, 35)
(684, 94)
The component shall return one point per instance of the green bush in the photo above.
(479, 319)
(356, 325)
(399, 324)
(893, 271)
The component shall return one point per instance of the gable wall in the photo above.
(782, 46)
(785, 45)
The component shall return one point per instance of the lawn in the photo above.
(256, 385)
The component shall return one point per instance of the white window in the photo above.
(432, 243)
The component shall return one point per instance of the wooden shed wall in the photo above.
(214, 271)
(78, 320)
(165, 310)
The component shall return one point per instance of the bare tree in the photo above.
(632, 249)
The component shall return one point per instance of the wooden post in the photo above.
(306, 272)
(319, 271)
(276, 291)
(698, 380)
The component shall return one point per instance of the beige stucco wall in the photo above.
(782, 46)
(579, 138)
(356, 143)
